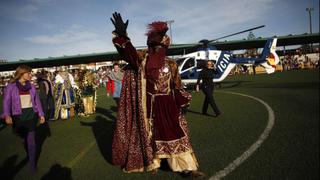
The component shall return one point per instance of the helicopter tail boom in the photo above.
(268, 58)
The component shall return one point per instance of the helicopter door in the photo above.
(188, 67)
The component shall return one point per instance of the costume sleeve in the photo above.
(182, 98)
(6, 103)
(175, 75)
(126, 51)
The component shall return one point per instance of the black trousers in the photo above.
(208, 92)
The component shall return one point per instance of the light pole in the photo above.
(310, 22)
(169, 22)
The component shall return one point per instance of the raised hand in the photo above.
(119, 25)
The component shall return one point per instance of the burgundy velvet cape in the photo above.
(131, 147)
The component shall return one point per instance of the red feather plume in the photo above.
(157, 27)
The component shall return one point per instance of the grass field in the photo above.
(81, 148)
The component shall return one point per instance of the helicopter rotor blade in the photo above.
(258, 27)
(205, 41)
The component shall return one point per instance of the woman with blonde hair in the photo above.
(21, 109)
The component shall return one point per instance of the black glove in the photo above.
(120, 26)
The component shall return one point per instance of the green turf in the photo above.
(81, 148)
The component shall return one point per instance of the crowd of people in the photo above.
(300, 60)
(29, 96)
(101, 77)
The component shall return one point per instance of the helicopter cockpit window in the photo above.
(188, 64)
(201, 64)
(180, 61)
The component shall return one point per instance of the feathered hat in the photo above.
(156, 49)
(156, 31)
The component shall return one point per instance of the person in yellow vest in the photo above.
(88, 93)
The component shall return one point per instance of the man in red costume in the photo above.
(150, 126)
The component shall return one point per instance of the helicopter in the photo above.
(191, 64)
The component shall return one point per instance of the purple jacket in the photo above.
(11, 101)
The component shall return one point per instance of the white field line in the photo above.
(238, 161)
(222, 173)
(82, 153)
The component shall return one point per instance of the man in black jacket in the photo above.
(207, 75)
